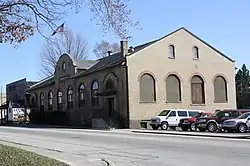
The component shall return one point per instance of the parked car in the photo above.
(240, 124)
(171, 118)
(190, 123)
(213, 122)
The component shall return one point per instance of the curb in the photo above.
(194, 135)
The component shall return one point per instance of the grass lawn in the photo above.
(10, 156)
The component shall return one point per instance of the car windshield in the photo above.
(205, 115)
(164, 113)
(217, 113)
(197, 115)
(244, 116)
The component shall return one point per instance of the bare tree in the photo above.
(20, 19)
(75, 45)
(101, 49)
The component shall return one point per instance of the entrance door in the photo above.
(110, 105)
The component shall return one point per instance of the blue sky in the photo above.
(224, 24)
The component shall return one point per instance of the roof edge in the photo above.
(40, 82)
(192, 34)
(213, 48)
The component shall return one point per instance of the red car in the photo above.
(190, 123)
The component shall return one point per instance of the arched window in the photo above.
(109, 85)
(70, 98)
(197, 90)
(81, 95)
(195, 52)
(50, 100)
(59, 100)
(173, 88)
(41, 101)
(220, 90)
(94, 91)
(33, 102)
(64, 66)
(147, 88)
(171, 51)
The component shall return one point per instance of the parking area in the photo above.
(179, 132)
(220, 121)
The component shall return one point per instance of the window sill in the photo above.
(198, 104)
(171, 57)
(221, 102)
(147, 102)
(173, 101)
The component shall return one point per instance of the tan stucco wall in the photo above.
(155, 60)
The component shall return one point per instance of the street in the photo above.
(122, 147)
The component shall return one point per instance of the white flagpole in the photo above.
(62, 33)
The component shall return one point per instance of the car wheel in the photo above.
(193, 127)
(212, 127)
(164, 125)
(202, 130)
(184, 128)
(155, 127)
(242, 128)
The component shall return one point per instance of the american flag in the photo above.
(58, 29)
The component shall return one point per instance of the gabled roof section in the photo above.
(140, 47)
(79, 64)
(47, 81)
(117, 58)
(216, 50)
(145, 45)
(84, 64)
(103, 63)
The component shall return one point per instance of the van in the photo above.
(171, 118)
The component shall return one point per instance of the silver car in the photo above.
(240, 124)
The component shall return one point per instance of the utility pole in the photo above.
(1, 95)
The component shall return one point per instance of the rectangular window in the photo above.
(235, 114)
(192, 113)
(226, 114)
(182, 113)
(95, 99)
(172, 114)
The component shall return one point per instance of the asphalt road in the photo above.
(123, 148)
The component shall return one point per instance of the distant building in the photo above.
(15, 91)
(2, 98)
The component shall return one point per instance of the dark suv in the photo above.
(213, 122)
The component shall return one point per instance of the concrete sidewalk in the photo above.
(195, 134)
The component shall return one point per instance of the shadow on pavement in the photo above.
(50, 126)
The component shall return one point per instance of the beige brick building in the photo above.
(178, 70)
